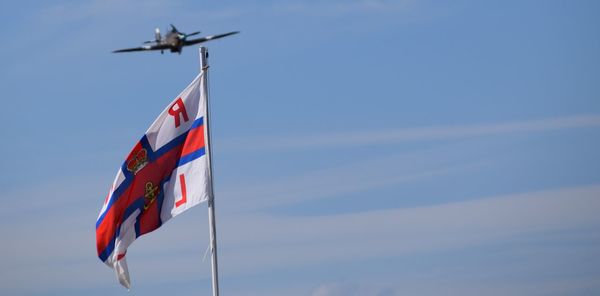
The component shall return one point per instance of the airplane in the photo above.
(174, 41)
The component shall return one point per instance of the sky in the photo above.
(361, 147)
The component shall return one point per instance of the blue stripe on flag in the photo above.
(198, 122)
(191, 156)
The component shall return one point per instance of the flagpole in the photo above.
(211, 199)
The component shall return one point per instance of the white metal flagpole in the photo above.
(211, 199)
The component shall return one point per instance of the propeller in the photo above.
(192, 34)
(181, 35)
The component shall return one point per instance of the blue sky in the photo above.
(361, 147)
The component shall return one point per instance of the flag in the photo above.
(166, 173)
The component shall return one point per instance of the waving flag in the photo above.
(166, 173)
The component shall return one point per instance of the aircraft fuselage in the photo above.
(173, 41)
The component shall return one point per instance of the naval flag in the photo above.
(166, 173)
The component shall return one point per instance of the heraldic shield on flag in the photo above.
(166, 173)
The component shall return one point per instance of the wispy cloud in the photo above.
(379, 171)
(494, 287)
(378, 137)
(344, 180)
(67, 192)
(257, 243)
(276, 242)
(350, 289)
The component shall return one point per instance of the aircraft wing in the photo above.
(207, 38)
(144, 48)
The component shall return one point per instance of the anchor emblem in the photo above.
(151, 194)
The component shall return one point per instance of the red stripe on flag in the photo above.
(194, 141)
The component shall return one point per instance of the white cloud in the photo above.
(379, 137)
(71, 191)
(351, 289)
(360, 176)
(374, 171)
(266, 242)
(53, 248)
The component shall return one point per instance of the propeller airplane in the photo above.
(174, 41)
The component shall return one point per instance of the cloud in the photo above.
(54, 247)
(379, 137)
(351, 289)
(371, 171)
(279, 242)
(67, 192)
(345, 180)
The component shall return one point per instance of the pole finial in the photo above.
(203, 58)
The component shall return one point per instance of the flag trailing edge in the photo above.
(166, 173)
